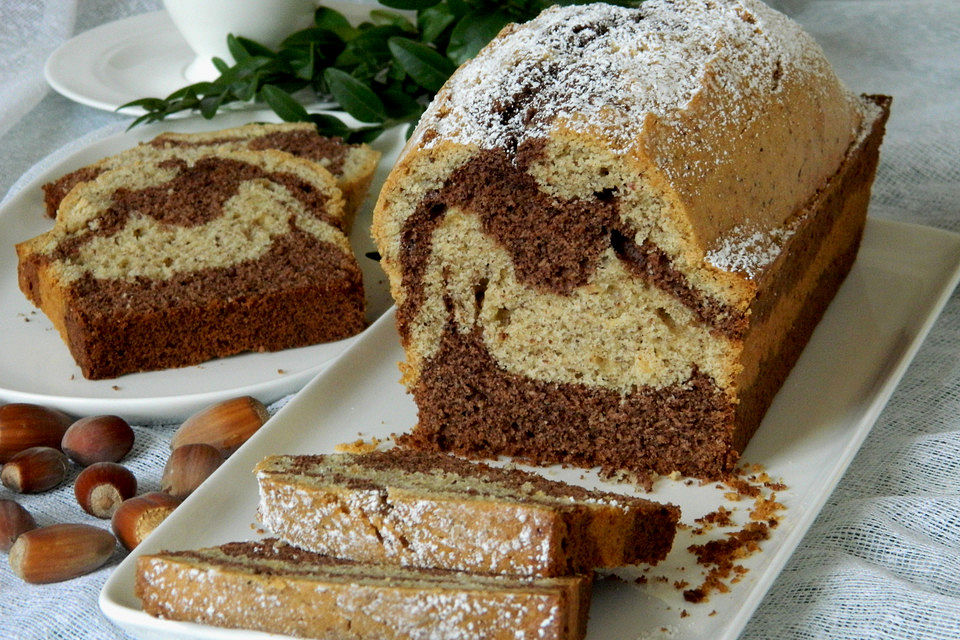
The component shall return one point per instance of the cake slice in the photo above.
(614, 230)
(433, 510)
(352, 165)
(193, 255)
(270, 586)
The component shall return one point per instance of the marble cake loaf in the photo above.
(614, 230)
(186, 256)
(352, 165)
(270, 586)
(427, 509)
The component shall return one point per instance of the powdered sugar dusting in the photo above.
(601, 65)
(746, 250)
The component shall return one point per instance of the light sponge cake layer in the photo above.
(270, 586)
(191, 256)
(614, 230)
(434, 510)
(352, 165)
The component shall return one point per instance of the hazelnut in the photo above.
(34, 470)
(29, 425)
(14, 520)
(188, 466)
(225, 425)
(97, 439)
(103, 486)
(60, 552)
(139, 516)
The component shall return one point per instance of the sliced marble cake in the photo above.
(189, 255)
(271, 586)
(434, 510)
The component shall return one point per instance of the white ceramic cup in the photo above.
(204, 24)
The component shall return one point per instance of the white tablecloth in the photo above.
(883, 558)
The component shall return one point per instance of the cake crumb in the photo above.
(358, 446)
(712, 613)
(684, 613)
(742, 486)
(115, 388)
(720, 518)
(719, 555)
(766, 509)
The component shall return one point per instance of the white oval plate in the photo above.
(902, 278)
(37, 367)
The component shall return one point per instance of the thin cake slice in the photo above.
(270, 586)
(352, 165)
(433, 510)
(195, 255)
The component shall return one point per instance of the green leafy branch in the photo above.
(382, 72)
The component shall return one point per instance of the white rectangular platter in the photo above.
(900, 282)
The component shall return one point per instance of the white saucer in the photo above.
(115, 63)
(142, 56)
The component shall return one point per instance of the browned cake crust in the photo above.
(269, 586)
(434, 510)
(121, 306)
(471, 406)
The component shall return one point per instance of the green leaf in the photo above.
(459, 8)
(220, 64)
(146, 118)
(354, 96)
(255, 48)
(373, 41)
(210, 105)
(313, 35)
(427, 67)
(334, 21)
(409, 5)
(237, 50)
(148, 104)
(365, 135)
(433, 22)
(398, 104)
(383, 18)
(283, 104)
(301, 61)
(473, 32)
(330, 126)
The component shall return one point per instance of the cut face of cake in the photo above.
(434, 510)
(352, 165)
(186, 256)
(614, 230)
(270, 586)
